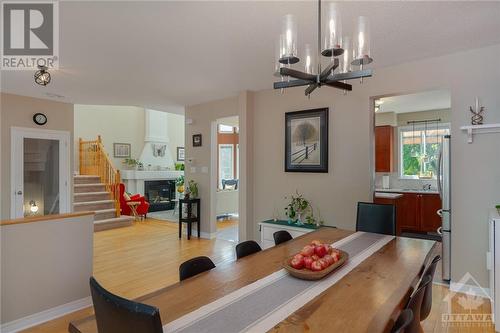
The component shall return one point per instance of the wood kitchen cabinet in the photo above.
(410, 213)
(384, 142)
(430, 221)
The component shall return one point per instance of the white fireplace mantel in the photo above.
(134, 179)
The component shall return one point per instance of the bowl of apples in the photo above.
(315, 261)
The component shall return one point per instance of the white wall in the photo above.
(122, 124)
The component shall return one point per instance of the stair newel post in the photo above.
(80, 155)
(117, 192)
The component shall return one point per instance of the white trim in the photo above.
(46, 315)
(17, 155)
(469, 289)
(219, 146)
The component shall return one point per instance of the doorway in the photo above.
(227, 175)
(40, 172)
(411, 166)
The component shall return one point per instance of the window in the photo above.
(419, 150)
(226, 129)
(226, 163)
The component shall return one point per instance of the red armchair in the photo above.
(142, 208)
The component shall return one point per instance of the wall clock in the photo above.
(40, 119)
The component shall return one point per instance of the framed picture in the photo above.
(196, 140)
(180, 154)
(121, 150)
(306, 141)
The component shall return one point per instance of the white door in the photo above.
(40, 171)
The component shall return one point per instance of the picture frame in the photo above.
(121, 150)
(181, 154)
(197, 140)
(306, 141)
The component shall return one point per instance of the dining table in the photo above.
(255, 293)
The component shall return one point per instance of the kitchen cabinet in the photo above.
(384, 152)
(430, 221)
(410, 212)
(396, 201)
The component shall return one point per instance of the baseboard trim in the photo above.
(46, 315)
(469, 289)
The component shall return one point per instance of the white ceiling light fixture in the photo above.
(334, 46)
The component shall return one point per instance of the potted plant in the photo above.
(498, 208)
(131, 163)
(299, 210)
(179, 183)
(193, 188)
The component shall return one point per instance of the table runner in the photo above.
(261, 305)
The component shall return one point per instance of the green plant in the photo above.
(193, 188)
(179, 181)
(300, 208)
(179, 166)
(131, 162)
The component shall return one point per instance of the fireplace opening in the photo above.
(160, 194)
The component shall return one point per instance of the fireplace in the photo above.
(159, 194)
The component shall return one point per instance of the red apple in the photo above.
(298, 256)
(320, 251)
(307, 251)
(336, 256)
(327, 248)
(314, 257)
(307, 262)
(297, 263)
(324, 263)
(316, 242)
(329, 259)
(316, 266)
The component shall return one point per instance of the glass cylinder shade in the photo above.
(332, 29)
(309, 59)
(362, 54)
(346, 58)
(278, 52)
(289, 40)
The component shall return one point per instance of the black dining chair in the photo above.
(404, 320)
(247, 248)
(115, 314)
(377, 218)
(427, 301)
(281, 236)
(195, 266)
(415, 304)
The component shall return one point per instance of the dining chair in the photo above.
(376, 218)
(427, 301)
(404, 320)
(195, 266)
(281, 236)
(247, 248)
(114, 314)
(415, 304)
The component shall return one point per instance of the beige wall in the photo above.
(18, 111)
(45, 264)
(123, 124)
(475, 176)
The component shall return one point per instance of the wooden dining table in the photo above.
(367, 299)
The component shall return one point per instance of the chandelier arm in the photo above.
(339, 85)
(292, 83)
(297, 74)
(311, 88)
(331, 67)
(350, 75)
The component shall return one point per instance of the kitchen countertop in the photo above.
(387, 195)
(400, 190)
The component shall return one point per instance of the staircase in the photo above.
(91, 195)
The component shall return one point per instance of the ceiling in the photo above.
(163, 54)
(423, 101)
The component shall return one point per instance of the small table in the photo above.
(133, 207)
(189, 218)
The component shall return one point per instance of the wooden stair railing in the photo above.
(94, 161)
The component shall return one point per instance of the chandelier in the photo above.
(343, 57)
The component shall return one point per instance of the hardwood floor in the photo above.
(137, 260)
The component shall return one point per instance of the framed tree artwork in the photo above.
(306, 141)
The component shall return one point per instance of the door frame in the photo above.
(17, 136)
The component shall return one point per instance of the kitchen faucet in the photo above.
(426, 187)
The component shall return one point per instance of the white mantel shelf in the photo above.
(479, 129)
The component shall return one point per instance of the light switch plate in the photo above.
(204, 169)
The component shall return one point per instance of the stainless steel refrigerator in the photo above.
(443, 182)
